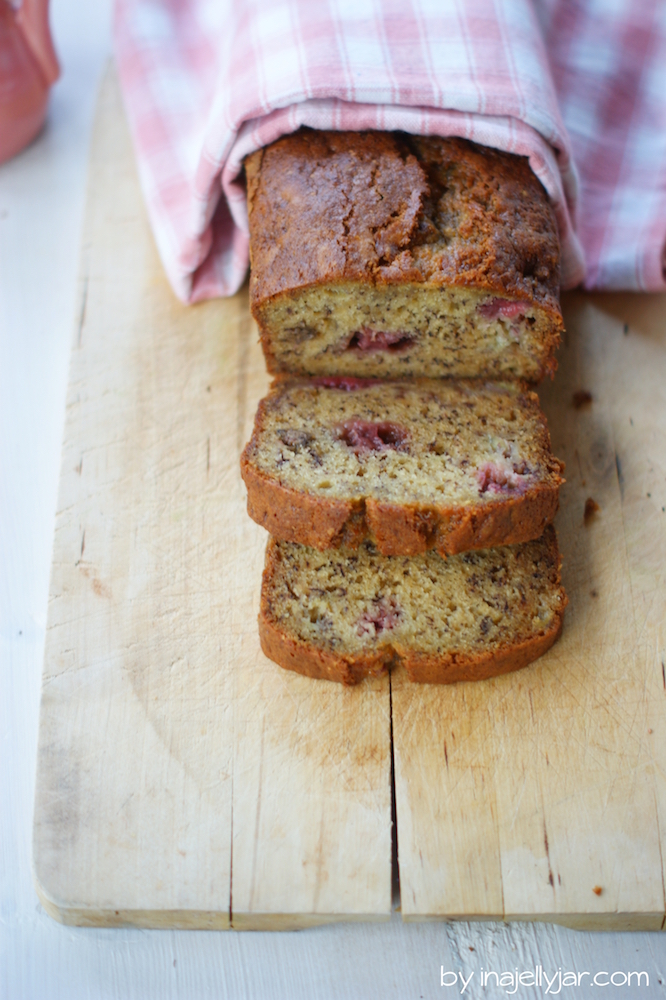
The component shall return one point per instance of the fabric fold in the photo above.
(205, 83)
(609, 66)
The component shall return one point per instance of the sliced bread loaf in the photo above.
(410, 465)
(384, 254)
(344, 615)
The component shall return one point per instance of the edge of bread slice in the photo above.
(384, 254)
(344, 616)
(312, 478)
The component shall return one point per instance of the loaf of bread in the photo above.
(344, 615)
(410, 465)
(383, 254)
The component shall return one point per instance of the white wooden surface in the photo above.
(41, 200)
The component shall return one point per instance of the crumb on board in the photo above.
(591, 508)
(582, 398)
(597, 890)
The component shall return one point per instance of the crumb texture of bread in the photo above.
(410, 465)
(345, 615)
(383, 254)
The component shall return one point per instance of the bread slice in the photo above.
(411, 465)
(383, 254)
(344, 615)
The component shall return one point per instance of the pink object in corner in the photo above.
(28, 67)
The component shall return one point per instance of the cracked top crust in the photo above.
(388, 208)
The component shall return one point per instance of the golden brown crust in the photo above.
(293, 653)
(396, 529)
(387, 208)
(424, 669)
(294, 515)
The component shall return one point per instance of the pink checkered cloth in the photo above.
(608, 59)
(208, 81)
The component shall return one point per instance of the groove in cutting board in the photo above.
(168, 743)
(185, 781)
(516, 798)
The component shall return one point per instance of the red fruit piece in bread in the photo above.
(502, 308)
(366, 435)
(366, 339)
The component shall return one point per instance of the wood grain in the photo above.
(518, 796)
(183, 779)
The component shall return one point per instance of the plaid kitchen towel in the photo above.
(208, 81)
(608, 59)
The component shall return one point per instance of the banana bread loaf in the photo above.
(411, 465)
(345, 615)
(383, 254)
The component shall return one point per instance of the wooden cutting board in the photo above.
(186, 781)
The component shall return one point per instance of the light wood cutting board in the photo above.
(186, 781)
